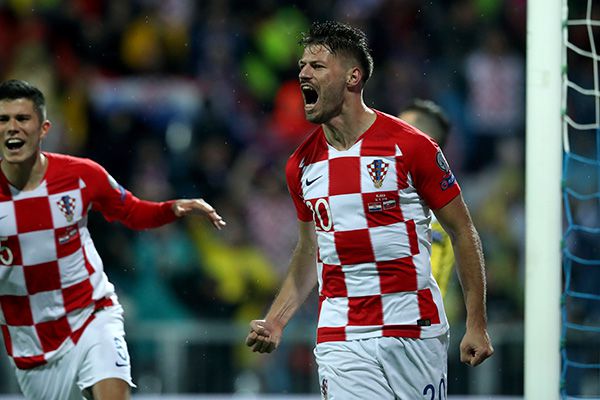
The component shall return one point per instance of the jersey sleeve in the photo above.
(432, 175)
(118, 204)
(293, 176)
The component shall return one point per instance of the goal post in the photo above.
(543, 202)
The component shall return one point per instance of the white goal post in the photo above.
(543, 201)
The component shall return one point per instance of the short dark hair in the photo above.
(338, 37)
(16, 89)
(438, 124)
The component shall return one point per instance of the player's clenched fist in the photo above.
(264, 336)
(475, 347)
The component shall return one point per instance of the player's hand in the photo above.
(264, 337)
(184, 207)
(475, 347)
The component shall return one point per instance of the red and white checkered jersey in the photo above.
(51, 276)
(371, 206)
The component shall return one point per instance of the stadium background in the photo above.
(182, 98)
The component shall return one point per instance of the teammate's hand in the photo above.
(475, 347)
(184, 207)
(264, 337)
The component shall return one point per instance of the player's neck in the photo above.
(26, 175)
(343, 130)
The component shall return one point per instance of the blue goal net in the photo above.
(580, 334)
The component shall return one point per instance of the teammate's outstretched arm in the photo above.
(184, 207)
(475, 346)
(301, 278)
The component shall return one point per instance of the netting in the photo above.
(580, 335)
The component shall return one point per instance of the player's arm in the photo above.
(301, 278)
(456, 220)
(118, 204)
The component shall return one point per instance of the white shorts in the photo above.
(383, 368)
(101, 353)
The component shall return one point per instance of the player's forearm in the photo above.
(142, 214)
(297, 285)
(471, 271)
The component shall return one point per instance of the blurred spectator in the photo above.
(204, 94)
(495, 96)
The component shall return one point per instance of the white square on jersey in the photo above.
(47, 306)
(66, 208)
(334, 312)
(361, 279)
(353, 151)
(327, 250)
(70, 269)
(77, 317)
(378, 174)
(413, 206)
(347, 212)
(12, 280)
(40, 191)
(400, 308)
(390, 241)
(8, 223)
(320, 274)
(24, 338)
(37, 247)
(315, 180)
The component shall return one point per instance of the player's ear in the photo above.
(46, 125)
(353, 77)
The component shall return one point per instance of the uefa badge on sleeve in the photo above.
(441, 161)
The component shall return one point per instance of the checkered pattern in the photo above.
(370, 205)
(51, 277)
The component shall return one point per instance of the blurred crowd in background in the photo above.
(183, 98)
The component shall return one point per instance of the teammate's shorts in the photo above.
(386, 368)
(101, 353)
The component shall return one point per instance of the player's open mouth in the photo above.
(14, 144)
(310, 96)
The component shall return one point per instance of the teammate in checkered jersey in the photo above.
(429, 118)
(61, 321)
(363, 184)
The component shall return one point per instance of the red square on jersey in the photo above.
(78, 295)
(331, 334)
(67, 241)
(334, 284)
(397, 275)
(354, 247)
(401, 176)
(367, 310)
(29, 362)
(33, 214)
(382, 208)
(42, 277)
(427, 306)
(344, 175)
(53, 333)
(17, 310)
